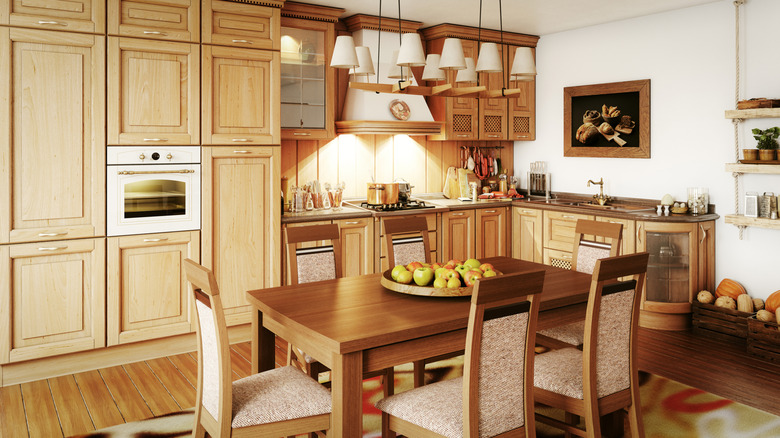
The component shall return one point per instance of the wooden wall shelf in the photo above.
(772, 169)
(761, 222)
(757, 113)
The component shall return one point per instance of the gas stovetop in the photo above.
(408, 205)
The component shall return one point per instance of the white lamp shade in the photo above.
(344, 55)
(489, 60)
(365, 63)
(432, 72)
(523, 65)
(411, 53)
(395, 69)
(469, 74)
(452, 55)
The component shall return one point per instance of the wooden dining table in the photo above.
(355, 325)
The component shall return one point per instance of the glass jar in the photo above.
(698, 200)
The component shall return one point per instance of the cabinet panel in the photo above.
(460, 114)
(148, 294)
(559, 229)
(521, 114)
(241, 103)
(175, 20)
(53, 300)
(154, 92)
(241, 25)
(357, 246)
(71, 15)
(457, 240)
(628, 239)
(241, 223)
(527, 234)
(491, 232)
(493, 112)
(54, 155)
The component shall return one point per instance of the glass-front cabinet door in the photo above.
(307, 88)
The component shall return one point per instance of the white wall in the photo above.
(689, 56)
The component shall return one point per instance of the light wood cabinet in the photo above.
(153, 92)
(241, 25)
(174, 20)
(527, 234)
(357, 246)
(380, 246)
(52, 298)
(493, 112)
(559, 229)
(52, 152)
(458, 235)
(492, 231)
(241, 222)
(70, 15)
(628, 235)
(240, 93)
(681, 264)
(521, 110)
(148, 294)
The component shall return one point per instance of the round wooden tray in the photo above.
(428, 291)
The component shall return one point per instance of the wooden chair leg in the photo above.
(635, 419)
(419, 373)
(571, 419)
(388, 388)
(592, 421)
(199, 432)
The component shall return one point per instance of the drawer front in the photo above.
(70, 15)
(173, 20)
(559, 259)
(559, 229)
(241, 25)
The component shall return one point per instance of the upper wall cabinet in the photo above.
(241, 25)
(71, 15)
(521, 113)
(52, 151)
(308, 84)
(153, 92)
(174, 20)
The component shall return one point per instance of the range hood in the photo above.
(368, 112)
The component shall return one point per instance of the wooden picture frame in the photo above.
(631, 98)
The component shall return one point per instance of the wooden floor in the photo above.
(79, 403)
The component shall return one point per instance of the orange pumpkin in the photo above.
(773, 302)
(729, 288)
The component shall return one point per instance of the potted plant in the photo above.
(767, 142)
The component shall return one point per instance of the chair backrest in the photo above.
(407, 249)
(317, 263)
(498, 367)
(587, 251)
(214, 373)
(609, 353)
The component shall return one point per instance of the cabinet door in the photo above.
(241, 25)
(521, 115)
(460, 114)
(527, 234)
(493, 112)
(53, 298)
(491, 234)
(153, 92)
(148, 294)
(52, 152)
(559, 229)
(175, 20)
(241, 103)
(71, 15)
(457, 240)
(241, 223)
(628, 235)
(357, 246)
(706, 265)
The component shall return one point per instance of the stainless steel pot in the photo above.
(379, 193)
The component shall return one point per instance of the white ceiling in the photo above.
(535, 17)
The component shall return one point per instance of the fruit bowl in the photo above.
(429, 291)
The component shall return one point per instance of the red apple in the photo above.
(454, 262)
(486, 267)
(449, 274)
(414, 265)
(435, 266)
(472, 276)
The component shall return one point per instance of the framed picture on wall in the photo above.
(607, 120)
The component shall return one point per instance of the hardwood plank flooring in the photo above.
(39, 408)
(100, 404)
(76, 417)
(124, 393)
(12, 419)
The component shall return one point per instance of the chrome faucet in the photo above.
(601, 198)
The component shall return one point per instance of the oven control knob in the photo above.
(155, 156)
(142, 157)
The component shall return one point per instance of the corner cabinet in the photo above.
(241, 222)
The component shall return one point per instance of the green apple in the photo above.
(472, 276)
(397, 270)
(450, 274)
(472, 263)
(440, 283)
(404, 277)
(489, 273)
(423, 276)
(461, 269)
(453, 283)
(438, 272)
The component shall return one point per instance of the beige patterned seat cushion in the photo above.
(315, 266)
(573, 333)
(437, 407)
(277, 395)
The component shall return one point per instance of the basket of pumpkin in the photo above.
(724, 315)
(763, 339)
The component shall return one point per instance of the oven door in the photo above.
(153, 198)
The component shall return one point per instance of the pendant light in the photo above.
(365, 63)
(411, 53)
(432, 72)
(344, 55)
(523, 67)
(489, 59)
(452, 55)
(469, 74)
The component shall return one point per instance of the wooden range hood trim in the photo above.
(371, 22)
(311, 12)
(388, 127)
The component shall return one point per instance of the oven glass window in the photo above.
(156, 197)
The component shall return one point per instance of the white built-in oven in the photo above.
(152, 189)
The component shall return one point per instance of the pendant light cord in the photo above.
(501, 37)
(379, 44)
(400, 43)
(736, 122)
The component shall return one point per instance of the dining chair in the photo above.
(606, 242)
(406, 240)
(602, 377)
(282, 401)
(492, 398)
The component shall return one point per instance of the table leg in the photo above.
(346, 389)
(263, 348)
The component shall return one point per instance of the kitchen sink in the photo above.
(595, 205)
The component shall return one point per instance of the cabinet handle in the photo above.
(704, 237)
(638, 232)
(52, 248)
(522, 136)
(56, 23)
(492, 135)
(456, 214)
(242, 152)
(301, 133)
(240, 139)
(528, 212)
(161, 239)
(155, 139)
(351, 223)
(52, 234)
(566, 257)
(243, 41)
(490, 211)
(463, 135)
(154, 32)
(566, 216)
